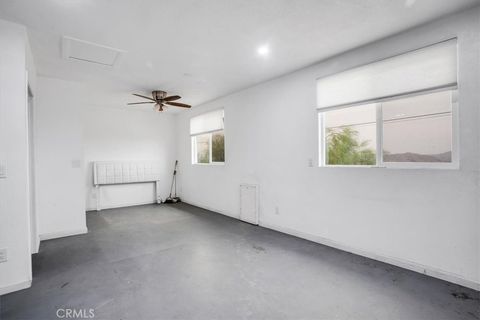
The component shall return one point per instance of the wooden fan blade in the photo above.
(139, 102)
(139, 95)
(178, 104)
(171, 98)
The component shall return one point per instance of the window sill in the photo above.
(402, 166)
(423, 165)
(209, 164)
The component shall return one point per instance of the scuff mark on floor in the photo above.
(462, 296)
(103, 303)
(259, 248)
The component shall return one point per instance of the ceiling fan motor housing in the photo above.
(158, 94)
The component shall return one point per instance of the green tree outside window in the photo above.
(343, 148)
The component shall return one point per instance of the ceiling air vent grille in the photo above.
(81, 50)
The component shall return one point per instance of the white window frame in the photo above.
(454, 164)
(210, 146)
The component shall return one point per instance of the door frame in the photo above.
(31, 184)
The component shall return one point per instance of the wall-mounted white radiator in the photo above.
(120, 172)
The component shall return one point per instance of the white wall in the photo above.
(77, 124)
(121, 134)
(425, 220)
(59, 159)
(16, 273)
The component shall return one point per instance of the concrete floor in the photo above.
(182, 262)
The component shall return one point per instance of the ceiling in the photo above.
(203, 49)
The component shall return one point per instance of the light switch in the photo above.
(3, 169)
(310, 162)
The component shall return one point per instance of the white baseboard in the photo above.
(61, 234)
(410, 265)
(122, 205)
(195, 204)
(15, 287)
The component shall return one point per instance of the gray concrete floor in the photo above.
(182, 262)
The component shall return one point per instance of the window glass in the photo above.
(350, 136)
(202, 143)
(207, 137)
(218, 147)
(418, 129)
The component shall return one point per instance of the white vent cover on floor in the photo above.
(77, 49)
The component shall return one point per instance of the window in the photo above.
(418, 129)
(390, 113)
(202, 148)
(208, 139)
(350, 136)
(218, 146)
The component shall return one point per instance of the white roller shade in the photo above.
(207, 122)
(427, 68)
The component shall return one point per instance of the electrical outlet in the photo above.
(76, 163)
(277, 210)
(310, 162)
(3, 255)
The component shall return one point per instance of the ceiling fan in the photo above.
(161, 100)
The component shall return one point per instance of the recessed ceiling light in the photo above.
(263, 50)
